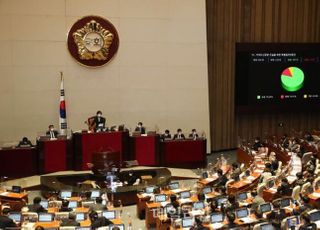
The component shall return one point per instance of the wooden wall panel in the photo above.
(231, 21)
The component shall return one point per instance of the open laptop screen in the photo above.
(265, 207)
(45, 217)
(216, 217)
(185, 195)
(187, 222)
(16, 216)
(111, 214)
(174, 185)
(160, 198)
(95, 194)
(241, 213)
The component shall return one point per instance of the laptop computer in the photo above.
(16, 216)
(73, 204)
(185, 194)
(149, 189)
(242, 196)
(267, 226)
(266, 207)
(173, 185)
(80, 216)
(198, 205)
(187, 223)
(206, 190)
(216, 217)
(45, 217)
(285, 202)
(160, 198)
(44, 204)
(95, 194)
(110, 214)
(65, 194)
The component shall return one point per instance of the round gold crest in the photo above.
(93, 41)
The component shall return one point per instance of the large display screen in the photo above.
(281, 76)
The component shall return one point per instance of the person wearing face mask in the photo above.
(179, 135)
(52, 133)
(140, 128)
(193, 134)
(99, 122)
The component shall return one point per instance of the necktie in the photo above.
(51, 134)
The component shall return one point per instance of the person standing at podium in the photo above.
(52, 133)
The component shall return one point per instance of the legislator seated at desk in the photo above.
(52, 133)
(166, 135)
(97, 123)
(140, 128)
(193, 135)
(25, 143)
(5, 221)
(179, 135)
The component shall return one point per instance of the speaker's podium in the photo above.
(54, 154)
(88, 143)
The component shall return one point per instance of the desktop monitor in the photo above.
(242, 212)
(65, 194)
(16, 216)
(73, 204)
(187, 222)
(198, 205)
(247, 173)
(242, 196)
(265, 207)
(95, 194)
(185, 194)
(205, 175)
(285, 202)
(44, 204)
(216, 217)
(267, 226)
(169, 209)
(173, 185)
(45, 217)
(16, 189)
(110, 214)
(293, 221)
(80, 216)
(120, 226)
(207, 190)
(314, 216)
(160, 198)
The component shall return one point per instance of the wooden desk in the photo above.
(15, 200)
(87, 143)
(183, 153)
(54, 155)
(145, 149)
(18, 162)
(141, 205)
(151, 214)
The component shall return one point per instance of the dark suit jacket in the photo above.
(192, 136)
(68, 222)
(101, 221)
(24, 144)
(55, 132)
(142, 130)
(36, 208)
(6, 222)
(166, 136)
(101, 122)
(176, 136)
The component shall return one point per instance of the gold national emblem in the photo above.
(93, 41)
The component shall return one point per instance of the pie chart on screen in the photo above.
(292, 79)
